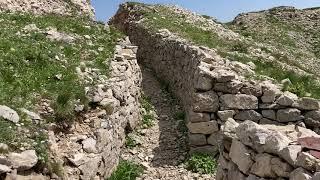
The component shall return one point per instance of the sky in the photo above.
(223, 10)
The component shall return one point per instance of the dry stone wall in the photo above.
(61, 7)
(215, 94)
(213, 89)
(254, 152)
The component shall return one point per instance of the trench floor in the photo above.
(162, 148)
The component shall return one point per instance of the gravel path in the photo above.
(163, 146)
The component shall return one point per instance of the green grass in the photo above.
(126, 170)
(164, 18)
(29, 65)
(201, 163)
(8, 133)
(130, 142)
(301, 85)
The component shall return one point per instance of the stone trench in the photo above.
(163, 147)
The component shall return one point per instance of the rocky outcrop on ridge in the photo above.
(61, 7)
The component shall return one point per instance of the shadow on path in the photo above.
(170, 149)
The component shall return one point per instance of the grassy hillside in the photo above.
(35, 67)
(201, 30)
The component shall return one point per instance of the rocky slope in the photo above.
(61, 7)
(293, 31)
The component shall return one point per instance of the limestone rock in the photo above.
(9, 114)
(205, 102)
(270, 114)
(203, 127)
(248, 115)
(198, 117)
(225, 115)
(300, 174)
(23, 161)
(222, 75)
(197, 139)
(241, 156)
(307, 161)
(203, 82)
(312, 118)
(289, 115)
(287, 99)
(239, 101)
(262, 166)
(90, 168)
(4, 169)
(307, 103)
(234, 173)
(78, 159)
(214, 139)
(232, 87)
(290, 153)
(316, 176)
(229, 128)
(280, 168)
(270, 92)
(260, 138)
(252, 89)
(89, 145)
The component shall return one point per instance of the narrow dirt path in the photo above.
(163, 146)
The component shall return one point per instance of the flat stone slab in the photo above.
(310, 143)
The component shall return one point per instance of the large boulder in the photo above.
(238, 101)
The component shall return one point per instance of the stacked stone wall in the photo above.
(214, 90)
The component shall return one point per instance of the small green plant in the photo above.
(148, 117)
(148, 120)
(201, 163)
(130, 142)
(240, 47)
(8, 133)
(146, 103)
(180, 115)
(126, 170)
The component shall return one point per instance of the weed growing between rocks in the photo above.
(201, 163)
(126, 170)
(130, 142)
(148, 116)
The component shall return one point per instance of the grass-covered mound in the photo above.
(34, 67)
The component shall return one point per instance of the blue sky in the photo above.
(223, 10)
